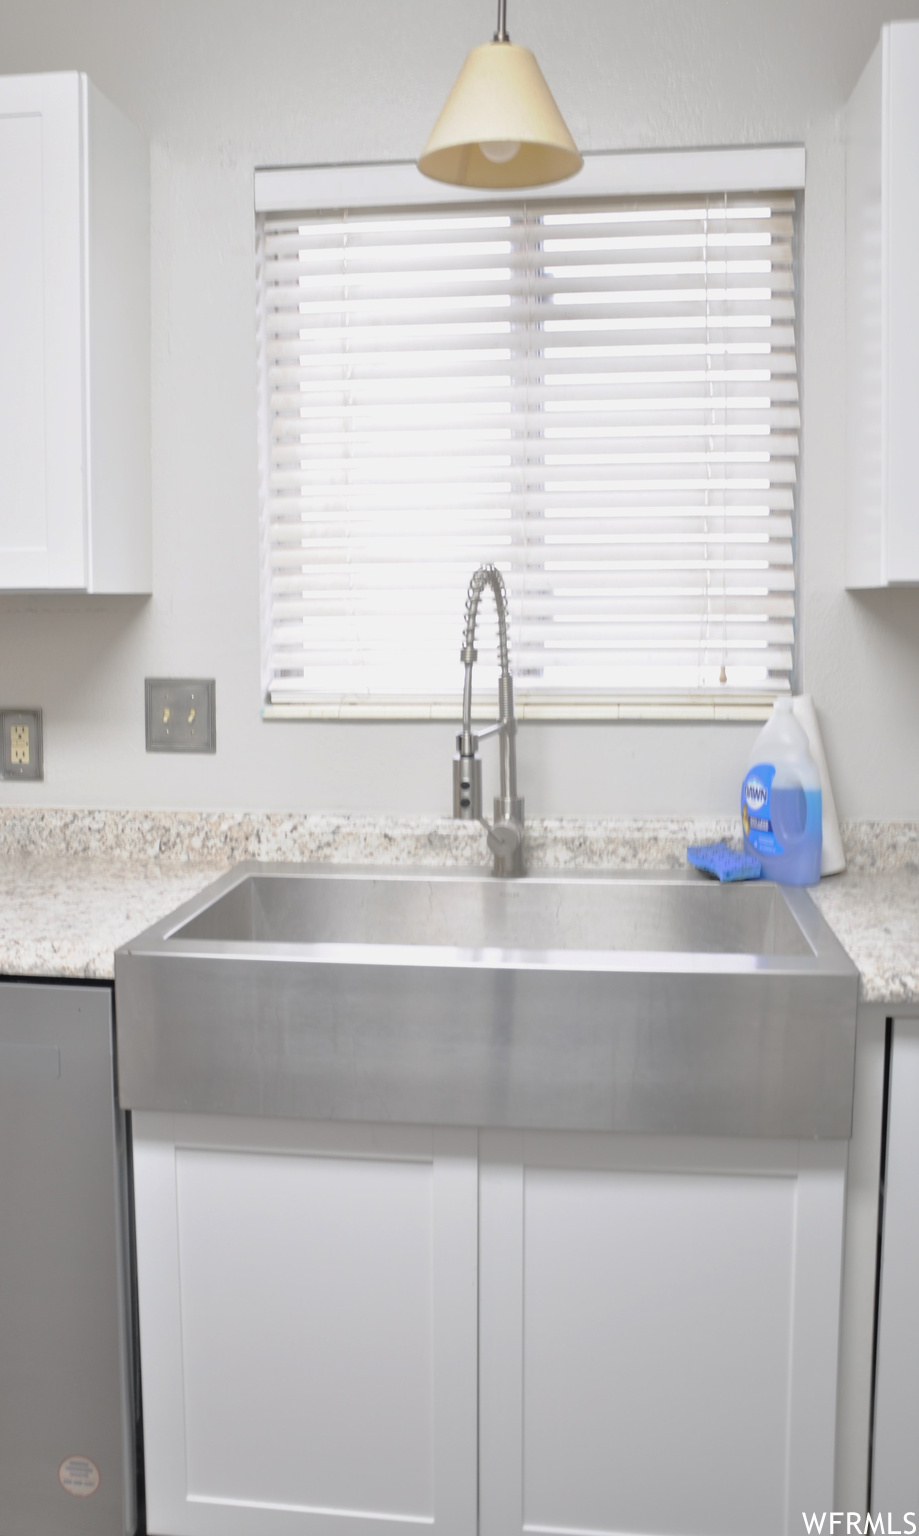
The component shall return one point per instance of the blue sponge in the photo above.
(724, 862)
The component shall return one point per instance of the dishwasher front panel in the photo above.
(66, 1419)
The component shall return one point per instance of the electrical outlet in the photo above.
(181, 714)
(20, 744)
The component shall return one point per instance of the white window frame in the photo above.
(642, 173)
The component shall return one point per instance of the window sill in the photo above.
(714, 707)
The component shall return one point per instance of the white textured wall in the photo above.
(223, 85)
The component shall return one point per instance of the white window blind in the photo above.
(598, 395)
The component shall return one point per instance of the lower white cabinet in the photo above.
(658, 1333)
(895, 1459)
(308, 1326)
(489, 1331)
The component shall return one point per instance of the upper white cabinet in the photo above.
(75, 322)
(882, 320)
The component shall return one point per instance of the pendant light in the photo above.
(500, 126)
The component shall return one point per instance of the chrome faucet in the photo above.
(505, 837)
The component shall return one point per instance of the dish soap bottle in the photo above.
(782, 802)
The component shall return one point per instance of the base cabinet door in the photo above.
(658, 1334)
(308, 1315)
(494, 1332)
(895, 1459)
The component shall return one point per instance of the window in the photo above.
(598, 393)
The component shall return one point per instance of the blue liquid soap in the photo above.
(782, 802)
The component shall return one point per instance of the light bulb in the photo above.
(500, 151)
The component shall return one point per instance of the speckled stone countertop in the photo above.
(875, 917)
(74, 885)
(67, 916)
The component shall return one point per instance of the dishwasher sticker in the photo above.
(79, 1476)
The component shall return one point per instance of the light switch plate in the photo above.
(181, 714)
(21, 744)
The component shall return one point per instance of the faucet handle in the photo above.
(503, 839)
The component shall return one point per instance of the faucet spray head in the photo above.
(467, 782)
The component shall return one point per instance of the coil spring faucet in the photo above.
(505, 837)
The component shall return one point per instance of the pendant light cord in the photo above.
(501, 34)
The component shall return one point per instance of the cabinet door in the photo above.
(882, 314)
(308, 1309)
(895, 1469)
(901, 232)
(42, 389)
(659, 1330)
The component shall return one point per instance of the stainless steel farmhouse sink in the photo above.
(630, 1002)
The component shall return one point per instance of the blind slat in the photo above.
(296, 511)
(656, 578)
(631, 656)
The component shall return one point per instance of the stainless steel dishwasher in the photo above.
(66, 1390)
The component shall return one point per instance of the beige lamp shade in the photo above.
(502, 102)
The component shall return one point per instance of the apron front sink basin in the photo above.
(662, 1003)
